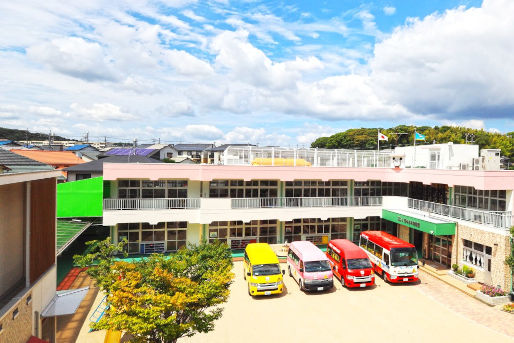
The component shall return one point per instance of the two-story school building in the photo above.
(451, 216)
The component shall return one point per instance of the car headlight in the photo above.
(279, 282)
(307, 281)
(253, 284)
(349, 277)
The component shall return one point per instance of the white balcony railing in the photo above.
(238, 203)
(497, 219)
(151, 204)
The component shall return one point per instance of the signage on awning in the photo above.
(419, 222)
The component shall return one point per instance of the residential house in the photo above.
(194, 151)
(87, 152)
(58, 159)
(95, 168)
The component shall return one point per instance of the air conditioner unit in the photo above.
(463, 166)
(476, 167)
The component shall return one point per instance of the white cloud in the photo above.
(187, 64)
(389, 10)
(472, 124)
(243, 134)
(102, 112)
(75, 57)
(202, 132)
(191, 15)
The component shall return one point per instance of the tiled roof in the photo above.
(2, 142)
(192, 147)
(9, 158)
(77, 147)
(55, 158)
(130, 151)
(98, 165)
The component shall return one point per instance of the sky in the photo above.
(263, 72)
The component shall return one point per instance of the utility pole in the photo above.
(105, 141)
(87, 137)
(27, 137)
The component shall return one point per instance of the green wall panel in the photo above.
(420, 224)
(83, 198)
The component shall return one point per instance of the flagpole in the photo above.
(414, 164)
(378, 145)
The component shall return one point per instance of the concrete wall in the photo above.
(12, 240)
(193, 189)
(500, 244)
(194, 233)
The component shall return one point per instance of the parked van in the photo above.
(350, 263)
(262, 270)
(309, 266)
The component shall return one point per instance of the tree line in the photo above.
(403, 135)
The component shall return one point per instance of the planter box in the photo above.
(492, 301)
(461, 277)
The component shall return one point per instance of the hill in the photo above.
(21, 135)
(366, 138)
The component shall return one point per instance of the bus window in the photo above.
(378, 251)
(371, 247)
(404, 257)
(362, 242)
(386, 258)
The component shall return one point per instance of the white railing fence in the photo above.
(151, 204)
(490, 218)
(305, 202)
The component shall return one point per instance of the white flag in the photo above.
(382, 137)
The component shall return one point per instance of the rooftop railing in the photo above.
(497, 219)
(276, 156)
(238, 203)
(151, 204)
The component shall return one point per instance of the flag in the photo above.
(382, 137)
(419, 136)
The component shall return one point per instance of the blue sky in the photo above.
(267, 72)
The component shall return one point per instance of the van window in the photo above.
(246, 258)
(386, 258)
(301, 264)
(371, 247)
(294, 257)
(333, 254)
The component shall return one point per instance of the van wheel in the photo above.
(301, 285)
(244, 274)
(342, 281)
(384, 276)
(290, 274)
(250, 294)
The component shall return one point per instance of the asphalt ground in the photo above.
(428, 311)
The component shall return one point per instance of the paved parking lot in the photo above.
(427, 312)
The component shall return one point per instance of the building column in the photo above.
(349, 229)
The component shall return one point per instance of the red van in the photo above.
(350, 264)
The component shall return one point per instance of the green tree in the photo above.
(162, 298)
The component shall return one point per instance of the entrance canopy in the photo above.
(65, 302)
(420, 222)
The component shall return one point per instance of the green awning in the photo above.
(68, 231)
(420, 222)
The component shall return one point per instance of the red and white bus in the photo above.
(391, 257)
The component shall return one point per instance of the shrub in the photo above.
(455, 267)
(493, 291)
(509, 308)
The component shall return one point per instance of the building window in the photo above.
(134, 189)
(313, 229)
(243, 189)
(315, 188)
(82, 176)
(477, 254)
(240, 234)
(367, 189)
(172, 233)
(490, 200)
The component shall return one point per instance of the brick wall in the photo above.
(19, 329)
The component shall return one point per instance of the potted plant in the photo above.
(492, 295)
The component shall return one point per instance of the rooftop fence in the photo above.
(497, 219)
(276, 156)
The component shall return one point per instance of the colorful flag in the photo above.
(419, 136)
(382, 137)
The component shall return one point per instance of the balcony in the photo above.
(305, 202)
(497, 219)
(151, 204)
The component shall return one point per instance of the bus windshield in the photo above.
(317, 266)
(266, 269)
(358, 263)
(404, 257)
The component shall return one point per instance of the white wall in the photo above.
(451, 155)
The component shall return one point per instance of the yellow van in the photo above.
(262, 270)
